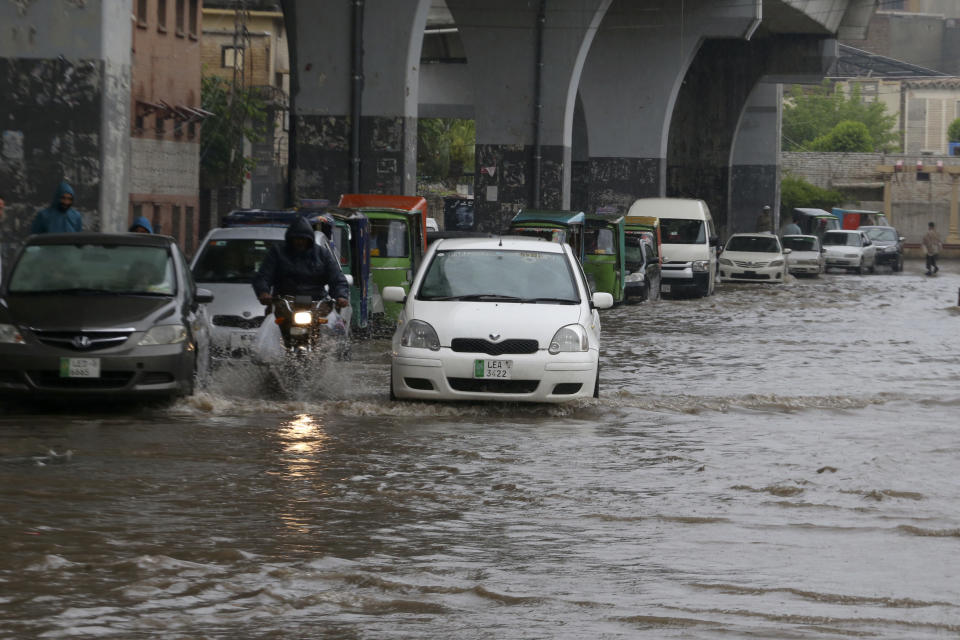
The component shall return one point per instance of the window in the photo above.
(191, 130)
(142, 13)
(188, 241)
(157, 221)
(181, 11)
(159, 126)
(194, 17)
(162, 16)
(231, 57)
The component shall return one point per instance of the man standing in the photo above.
(765, 220)
(60, 216)
(792, 229)
(932, 245)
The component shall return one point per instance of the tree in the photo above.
(809, 113)
(797, 192)
(849, 136)
(445, 147)
(237, 117)
(953, 131)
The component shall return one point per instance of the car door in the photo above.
(652, 272)
(194, 315)
(869, 250)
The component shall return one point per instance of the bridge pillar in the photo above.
(500, 39)
(755, 168)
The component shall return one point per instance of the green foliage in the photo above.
(953, 131)
(847, 136)
(445, 147)
(236, 118)
(812, 113)
(797, 192)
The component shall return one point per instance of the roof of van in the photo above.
(683, 208)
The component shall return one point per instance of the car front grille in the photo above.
(82, 340)
(493, 386)
(238, 322)
(10, 377)
(750, 265)
(107, 380)
(479, 345)
(751, 276)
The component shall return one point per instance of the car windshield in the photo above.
(233, 260)
(754, 244)
(498, 275)
(800, 244)
(94, 268)
(598, 242)
(841, 239)
(388, 239)
(634, 250)
(674, 231)
(882, 234)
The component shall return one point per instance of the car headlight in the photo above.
(420, 335)
(890, 249)
(302, 317)
(9, 334)
(776, 263)
(636, 276)
(700, 265)
(572, 337)
(729, 263)
(164, 334)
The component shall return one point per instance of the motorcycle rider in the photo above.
(301, 267)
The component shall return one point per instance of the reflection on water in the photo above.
(770, 462)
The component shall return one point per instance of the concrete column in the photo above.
(500, 40)
(754, 170)
(321, 86)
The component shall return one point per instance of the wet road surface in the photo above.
(775, 462)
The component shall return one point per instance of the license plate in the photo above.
(499, 369)
(749, 273)
(79, 367)
(665, 288)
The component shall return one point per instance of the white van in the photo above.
(688, 243)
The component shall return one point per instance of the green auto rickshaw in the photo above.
(398, 233)
(554, 226)
(604, 250)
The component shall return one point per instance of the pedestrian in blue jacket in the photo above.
(60, 216)
(141, 225)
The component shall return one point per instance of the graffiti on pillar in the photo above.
(619, 181)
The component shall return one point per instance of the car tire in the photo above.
(898, 265)
(860, 269)
(596, 384)
(873, 267)
(393, 396)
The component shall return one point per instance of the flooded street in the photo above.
(772, 462)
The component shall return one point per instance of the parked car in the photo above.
(889, 245)
(849, 249)
(102, 315)
(225, 264)
(754, 257)
(643, 266)
(432, 225)
(806, 255)
(497, 319)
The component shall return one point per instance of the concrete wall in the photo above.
(911, 37)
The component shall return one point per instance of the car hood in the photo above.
(507, 320)
(803, 255)
(685, 252)
(72, 312)
(752, 256)
(840, 249)
(885, 243)
(232, 299)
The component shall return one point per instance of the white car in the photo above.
(850, 250)
(805, 257)
(756, 257)
(497, 319)
(432, 224)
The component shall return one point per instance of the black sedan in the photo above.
(102, 315)
(889, 245)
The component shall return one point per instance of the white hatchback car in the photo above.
(756, 257)
(497, 319)
(806, 256)
(849, 249)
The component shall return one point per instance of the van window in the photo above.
(674, 231)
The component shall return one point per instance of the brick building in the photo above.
(165, 132)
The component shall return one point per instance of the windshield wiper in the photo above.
(76, 290)
(482, 297)
(142, 293)
(551, 300)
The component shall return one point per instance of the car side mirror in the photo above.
(787, 250)
(394, 294)
(349, 279)
(902, 238)
(602, 300)
(203, 296)
(714, 241)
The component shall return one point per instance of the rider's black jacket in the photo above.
(286, 271)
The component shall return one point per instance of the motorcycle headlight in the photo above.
(572, 337)
(164, 334)
(420, 335)
(302, 317)
(9, 334)
(776, 263)
(636, 276)
(700, 265)
(724, 261)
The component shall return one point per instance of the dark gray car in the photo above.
(889, 245)
(94, 314)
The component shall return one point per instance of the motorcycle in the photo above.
(308, 325)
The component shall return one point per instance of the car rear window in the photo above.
(231, 260)
(93, 268)
(525, 275)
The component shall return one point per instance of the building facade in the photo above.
(165, 117)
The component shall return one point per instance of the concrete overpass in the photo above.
(578, 103)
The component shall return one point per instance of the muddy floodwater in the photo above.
(772, 462)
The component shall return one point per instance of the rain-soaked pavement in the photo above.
(773, 462)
